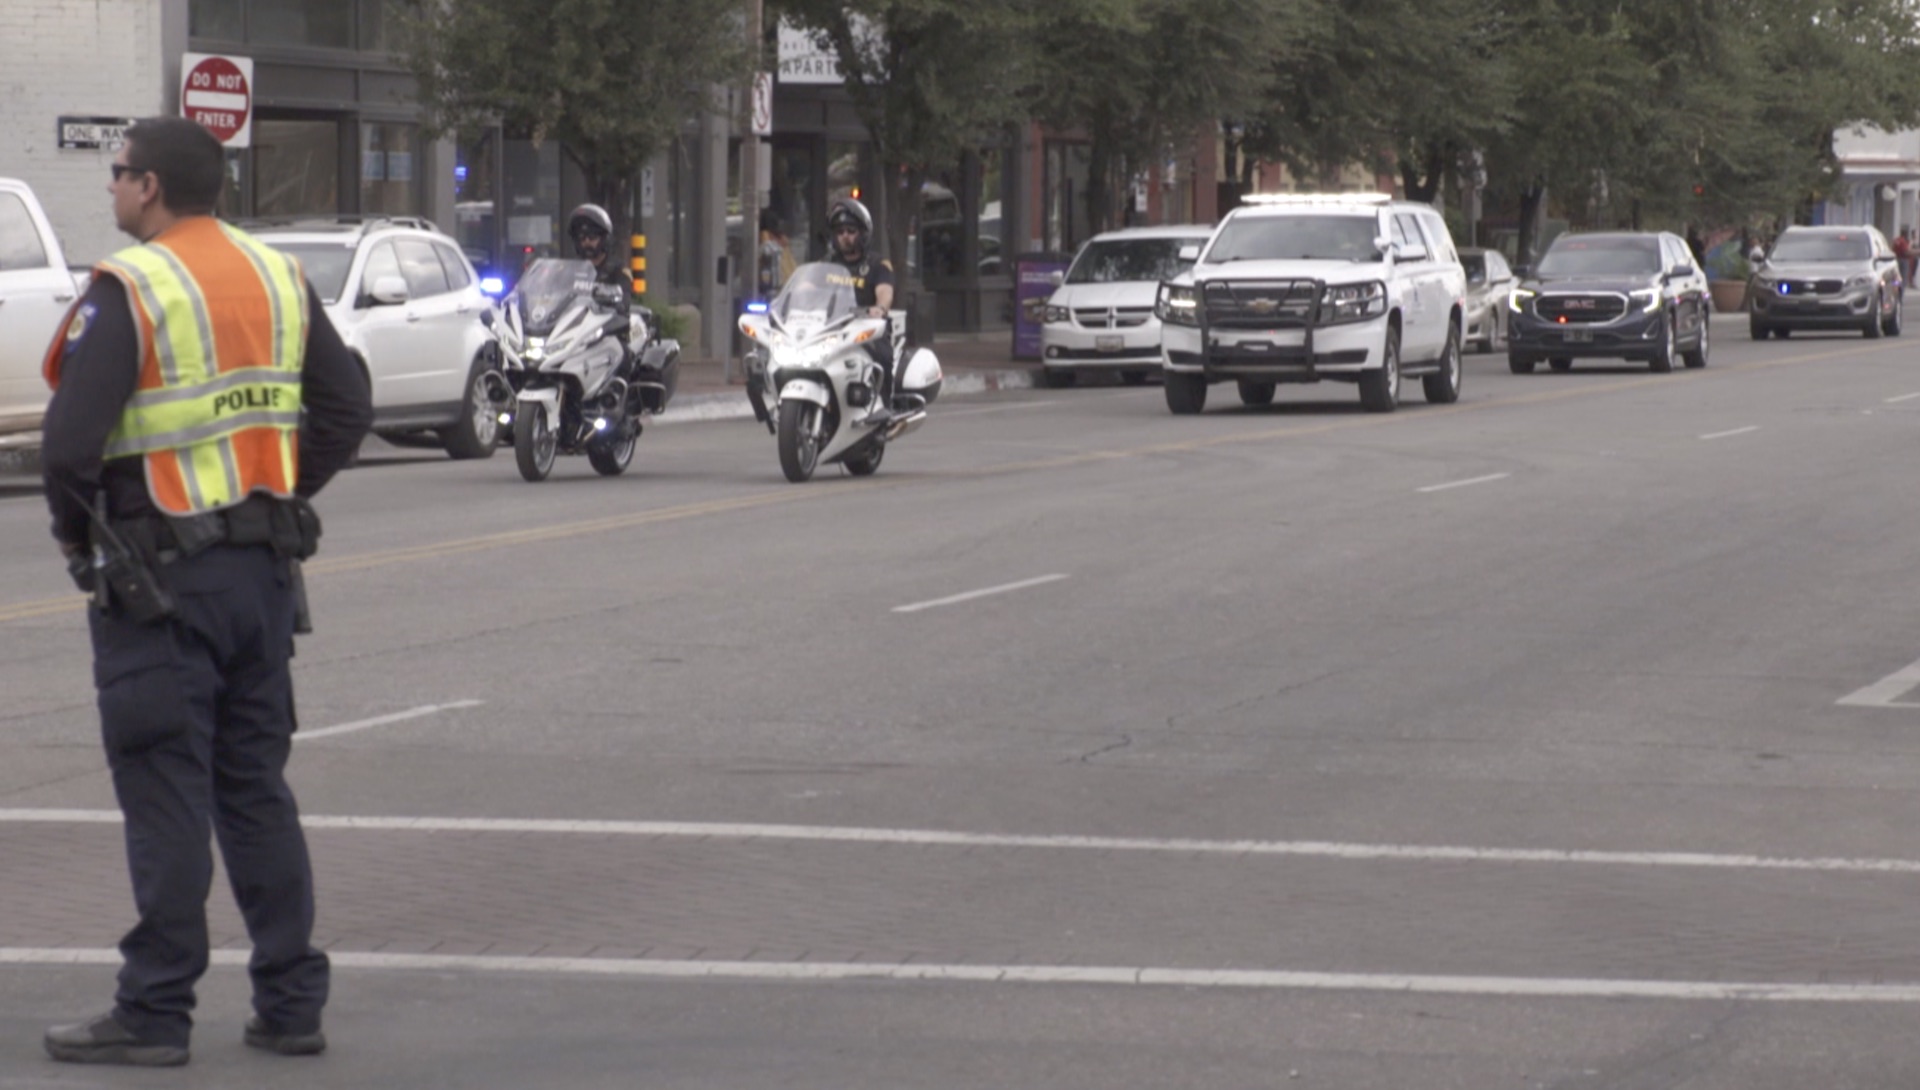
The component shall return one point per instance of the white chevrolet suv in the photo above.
(1352, 287)
(407, 303)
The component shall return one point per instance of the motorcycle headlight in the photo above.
(1177, 305)
(1647, 300)
(1353, 302)
(1518, 298)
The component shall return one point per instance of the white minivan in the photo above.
(1100, 318)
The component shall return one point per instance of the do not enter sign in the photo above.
(217, 92)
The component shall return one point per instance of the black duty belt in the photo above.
(289, 527)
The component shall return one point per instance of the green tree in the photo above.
(1405, 86)
(1141, 76)
(930, 79)
(612, 80)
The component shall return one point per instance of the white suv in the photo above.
(408, 304)
(1353, 287)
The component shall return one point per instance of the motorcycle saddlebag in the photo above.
(659, 363)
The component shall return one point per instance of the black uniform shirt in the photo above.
(99, 373)
(868, 275)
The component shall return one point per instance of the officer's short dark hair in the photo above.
(184, 156)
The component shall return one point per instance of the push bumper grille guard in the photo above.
(1258, 305)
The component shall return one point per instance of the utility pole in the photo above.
(749, 272)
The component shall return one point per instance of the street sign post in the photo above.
(217, 92)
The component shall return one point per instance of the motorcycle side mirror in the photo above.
(754, 325)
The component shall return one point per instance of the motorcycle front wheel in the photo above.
(534, 443)
(611, 457)
(799, 448)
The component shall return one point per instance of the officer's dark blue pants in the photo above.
(196, 714)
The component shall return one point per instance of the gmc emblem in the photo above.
(1578, 304)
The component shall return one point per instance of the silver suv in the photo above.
(1826, 278)
(408, 305)
(1352, 287)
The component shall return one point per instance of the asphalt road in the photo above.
(1568, 736)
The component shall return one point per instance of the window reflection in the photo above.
(327, 23)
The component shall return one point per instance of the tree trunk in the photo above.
(1417, 188)
(1530, 199)
(1099, 184)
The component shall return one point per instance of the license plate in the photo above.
(1109, 342)
(1577, 336)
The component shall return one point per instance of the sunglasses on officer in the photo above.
(121, 170)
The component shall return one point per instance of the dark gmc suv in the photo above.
(1623, 295)
(1827, 278)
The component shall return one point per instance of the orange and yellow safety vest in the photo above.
(222, 321)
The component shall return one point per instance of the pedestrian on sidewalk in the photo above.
(200, 397)
(1903, 253)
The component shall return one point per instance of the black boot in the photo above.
(261, 1035)
(104, 1040)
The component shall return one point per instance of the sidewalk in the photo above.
(972, 363)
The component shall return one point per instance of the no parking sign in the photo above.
(217, 92)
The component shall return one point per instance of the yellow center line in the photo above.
(47, 607)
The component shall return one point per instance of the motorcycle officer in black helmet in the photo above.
(850, 226)
(591, 229)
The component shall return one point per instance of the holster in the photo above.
(124, 579)
(291, 527)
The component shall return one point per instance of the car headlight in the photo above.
(1518, 298)
(1054, 314)
(1864, 280)
(1353, 302)
(1647, 300)
(1177, 305)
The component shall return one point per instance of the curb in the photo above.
(733, 405)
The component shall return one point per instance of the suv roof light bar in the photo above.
(1316, 198)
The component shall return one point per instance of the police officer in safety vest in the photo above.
(200, 397)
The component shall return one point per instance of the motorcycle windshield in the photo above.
(546, 289)
(816, 297)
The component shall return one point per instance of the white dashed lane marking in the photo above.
(981, 593)
(1886, 692)
(1465, 483)
(382, 720)
(1733, 432)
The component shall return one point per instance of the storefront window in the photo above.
(992, 230)
(790, 213)
(376, 23)
(216, 19)
(1068, 176)
(296, 167)
(327, 23)
(388, 174)
(533, 201)
(473, 199)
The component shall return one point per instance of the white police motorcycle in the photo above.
(567, 386)
(817, 388)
